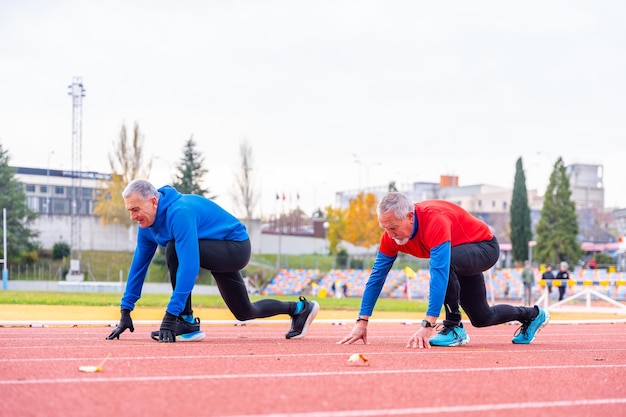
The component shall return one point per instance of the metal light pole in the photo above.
(357, 161)
(367, 167)
(5, 272)
(48, 184)
(77, 91)
(531, 245)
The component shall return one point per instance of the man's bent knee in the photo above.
(244, 315)
(480, 321)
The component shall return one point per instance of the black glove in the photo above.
(125, 323)
(167, 332)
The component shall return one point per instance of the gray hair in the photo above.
(399, 203)
(142, 187)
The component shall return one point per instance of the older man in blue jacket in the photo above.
(196, 233)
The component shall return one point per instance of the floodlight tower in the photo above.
(77, 91)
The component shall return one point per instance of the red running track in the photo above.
(570, 370)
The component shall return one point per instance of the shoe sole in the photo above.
(309, 320)
(191, 337)
(187, 337)
(541, 326)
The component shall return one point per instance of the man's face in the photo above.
(141, 210)
(398, 229)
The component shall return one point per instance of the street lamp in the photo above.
(531, 245)
(367, 172)
(367, 167)
(358, 161)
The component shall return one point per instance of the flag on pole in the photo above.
(409, 272)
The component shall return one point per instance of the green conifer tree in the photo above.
(188, 179)
(557, 229)
(20, 237)
(521, 232)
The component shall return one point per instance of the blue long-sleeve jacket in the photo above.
(184, 219)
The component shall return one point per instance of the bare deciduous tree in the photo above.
(127, 164)
(245, 196)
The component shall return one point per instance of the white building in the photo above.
(49, 193)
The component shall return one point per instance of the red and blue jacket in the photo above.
(439, 225)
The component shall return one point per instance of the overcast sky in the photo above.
(331, 95)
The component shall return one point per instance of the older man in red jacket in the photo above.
(460, 248)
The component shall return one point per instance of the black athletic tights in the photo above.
(225, 259)
(466, 286)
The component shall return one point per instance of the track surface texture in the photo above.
(252, 370)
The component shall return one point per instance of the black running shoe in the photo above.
(185, 331)
(300, 322)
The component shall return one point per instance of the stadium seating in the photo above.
(289, 281)
(504, 284)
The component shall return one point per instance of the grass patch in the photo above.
(201, 300)
(108, 266)
(52, 298)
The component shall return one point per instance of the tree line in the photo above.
(555, 234)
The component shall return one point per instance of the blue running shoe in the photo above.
(527, 332)
(187, 330)
(196, 336)
(450, 336)
(300, 321)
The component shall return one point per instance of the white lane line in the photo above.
(462, 409)
(361, 372)
(247, 355)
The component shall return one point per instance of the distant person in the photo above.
(528, 279)
(339, 288)
(314, 288)
(460, 248)
(548, 276)
(562, 275)
(196, 233)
